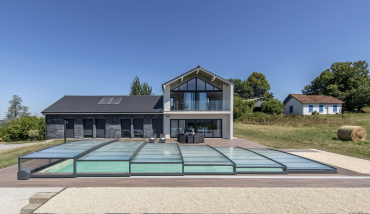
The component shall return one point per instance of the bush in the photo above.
(272, 106)
(315, 113)
(4, 133)
(19, 128)
(242, 107)
(33, 134)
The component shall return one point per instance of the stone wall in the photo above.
(55, 124)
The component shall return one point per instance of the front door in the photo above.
(100, 128)
(157, 126)
(88, 128)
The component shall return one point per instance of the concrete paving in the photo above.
(13, 199)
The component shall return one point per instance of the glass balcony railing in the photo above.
(210, 105)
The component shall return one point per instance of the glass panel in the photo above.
(100, 128)
(106, 167)
(190, 126)
(202, 101)
(201, 85)
(138, 128)
(293, 162)
(88, 128)
(200, 127)
(191, 85)
(183, 87)
(208, 130)
(174, 128)
(171, 104)
(126, 128)
(217, 132)
(209, 87)
(156, 168)
(189, 99)
(181, 126)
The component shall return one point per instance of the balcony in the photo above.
(209, 105)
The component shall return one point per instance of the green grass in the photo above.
(22, 142)
(308, 132)
(10, 157)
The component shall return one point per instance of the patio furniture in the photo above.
(152, 138)
(190, 138)
(197, 138)
(201, 138)
(162, 138)
(182, 138)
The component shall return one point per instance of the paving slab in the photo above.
(13, 199)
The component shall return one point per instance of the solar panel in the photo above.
(105, 100)
(115, 100)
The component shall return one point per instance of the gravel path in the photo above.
(343, 161)
(12, 146)
(209, 200)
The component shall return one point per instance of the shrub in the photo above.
(315, 113)
(242, 107)
(365, 109)
(4, 133)
(34, 133)
(18, 128)
(273, 106)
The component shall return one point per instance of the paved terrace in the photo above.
(344, 178)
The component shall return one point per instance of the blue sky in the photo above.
(52, 48)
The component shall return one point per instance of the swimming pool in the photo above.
(112, 158)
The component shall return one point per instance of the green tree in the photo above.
(259, 84)
(18, 129)
(242, 107)
(16, 109)
(273, 106)
(241, 88)
(140, 89)
(342, 80)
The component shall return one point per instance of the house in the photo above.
(300, 104)
(258, 104)
(197, 101)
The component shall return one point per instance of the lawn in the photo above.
(10, 157)
(308, 132)
(23, 142)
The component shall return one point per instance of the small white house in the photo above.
(300, 104)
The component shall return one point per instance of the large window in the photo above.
(126, 128)
(196, 84)
(100, 128)
(88, 128)
(138, 128)
(210, 128)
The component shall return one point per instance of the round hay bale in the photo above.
(354, 133)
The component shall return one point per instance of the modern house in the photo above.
(197, 101)
(300, 104)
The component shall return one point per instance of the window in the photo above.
(321, 108)
(172, 104)
(209, 128)
(290, 109)
(310, 108)
(88, 128)
(196, 84)
(138, 128)
(100, 128)
(126, 128)
(335, 108)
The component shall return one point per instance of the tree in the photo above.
(241, 88)
(242, 107)
(255, 86)
(258, 83)
(16, 109)
(140, 89)
(343, 80)
(273, 106)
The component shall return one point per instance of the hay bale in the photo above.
(354, 133)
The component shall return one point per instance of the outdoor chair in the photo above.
(152, 138)
(182, 138)
(190, 138)
(162, 138)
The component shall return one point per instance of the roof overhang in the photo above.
(196, 70)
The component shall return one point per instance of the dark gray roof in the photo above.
(89, 104)
(201, 69)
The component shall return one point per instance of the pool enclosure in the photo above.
(112, 158)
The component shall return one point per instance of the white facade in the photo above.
(304, 109)
(224, 113)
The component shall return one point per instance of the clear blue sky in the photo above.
(52, 48)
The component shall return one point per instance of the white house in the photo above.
(300, 104)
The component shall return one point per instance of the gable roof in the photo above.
(313, 98)
(198, 68)
(90, 104)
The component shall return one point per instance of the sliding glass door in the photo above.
(209, 128)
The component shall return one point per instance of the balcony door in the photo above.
(194, 101)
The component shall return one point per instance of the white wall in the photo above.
(328, 108)
(227, 131)
(297, 107)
